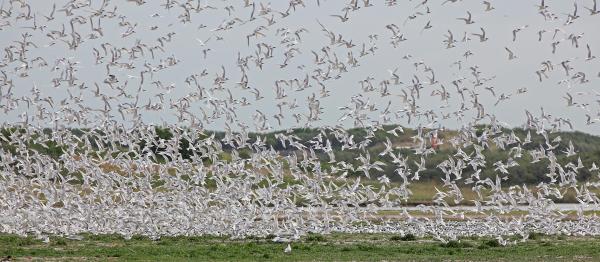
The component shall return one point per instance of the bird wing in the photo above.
(510, 53)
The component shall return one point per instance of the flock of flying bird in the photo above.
(109, 178)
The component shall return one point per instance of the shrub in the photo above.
(315, 238)
(535, 236)
(59, 242)
(491, 243)
(406, 237)
(456, 244)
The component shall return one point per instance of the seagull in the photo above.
(556, 30)
(540, 34)
(542, 6)
(488, 6)
(482, 37)
(275, 183)
(388, 147)
(571, 150)
(569, 99)
(467, 20)
(424, 2)
(427, 26)
(590, 121)
(203, 43)
(589, 54)
(395, 131)
(451, 1)
(511, 55)
(256, 93)
(50, 17)
(566, 66)
(594, 10)
(342, 18)
(288, 249)
(594, 167)
(573, 16)
(516, 30)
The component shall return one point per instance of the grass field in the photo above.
(334, 247)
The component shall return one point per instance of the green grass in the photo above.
(334, 247)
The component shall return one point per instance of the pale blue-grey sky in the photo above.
(426, 46)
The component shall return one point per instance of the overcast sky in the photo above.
(426, 46)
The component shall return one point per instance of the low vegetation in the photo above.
(587, 147)
(334, 247)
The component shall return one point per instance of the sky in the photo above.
(424, 47)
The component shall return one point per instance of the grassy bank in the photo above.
(424, 192)
(335, 247)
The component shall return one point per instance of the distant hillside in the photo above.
(587, 147)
